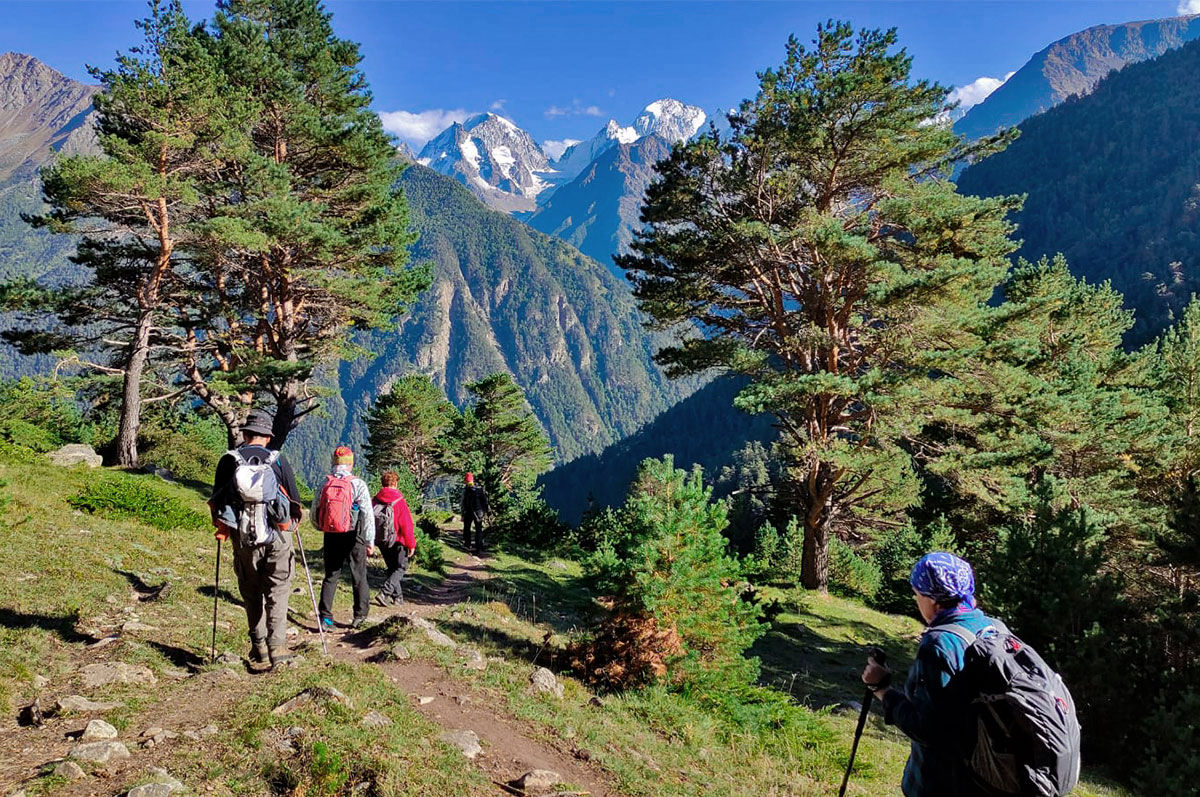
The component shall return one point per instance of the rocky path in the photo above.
(508, 750)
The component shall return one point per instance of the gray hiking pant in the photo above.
(396, 558)
(264, 575)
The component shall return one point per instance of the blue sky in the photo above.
(561, 69)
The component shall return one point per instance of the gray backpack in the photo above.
(263, 505)
(1022, 735)
(385, 524)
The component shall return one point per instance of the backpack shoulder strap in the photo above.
(960, 631)
(237, 456)
(274, 457)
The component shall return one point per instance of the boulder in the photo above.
(75, 454)
(83, 705)
(466, 741)
(99, 752)
(542, 681)
(98, 731)
(116, 672)
(432, 633)
(538, 781)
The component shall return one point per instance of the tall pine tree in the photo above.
(820, 249)
(406, 429)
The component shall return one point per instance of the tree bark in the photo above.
(131, 393)
(814, 562)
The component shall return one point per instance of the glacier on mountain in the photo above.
(669, 119)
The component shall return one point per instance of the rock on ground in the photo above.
(543, 681)
(324, 694)
(99, 752)
(474, 660)
(150, 790)
(400, 652)
(98, 730)
(75, 454)
(538, 781)
(375, 719)
(432, 633)
(83, 705)
(465, 741)
(116, 672)
(70, 770)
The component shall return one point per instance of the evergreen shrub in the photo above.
(143, 498)
(1171, 765)
(850, 574)
(677, 588)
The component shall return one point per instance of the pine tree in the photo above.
(162, 122)
(820, 249)
(406, 427)
(315, 242)
(500, 432)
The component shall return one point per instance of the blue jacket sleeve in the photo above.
(922, 710)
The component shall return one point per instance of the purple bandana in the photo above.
(945, 578)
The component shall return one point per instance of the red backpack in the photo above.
(335, 509)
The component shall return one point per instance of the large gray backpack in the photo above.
(262, 503)
(1022, 735)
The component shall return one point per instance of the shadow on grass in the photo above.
(819, 669)
(179, 657)
(511, 646)
(227, 596)
(61, 625)
(564, 603)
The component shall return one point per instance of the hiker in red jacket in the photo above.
(394, 537)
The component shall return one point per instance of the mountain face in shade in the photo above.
(42, 112)
(507, 298)
(496, 160)
(1072, 66)
(598, 211)
(1112, 183)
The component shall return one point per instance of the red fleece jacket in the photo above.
(403, 518)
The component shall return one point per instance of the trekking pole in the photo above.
(879, 657)
(311, 594)
(216, 597)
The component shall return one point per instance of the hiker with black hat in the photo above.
(342, 510)
(474, 512)
(254, 504)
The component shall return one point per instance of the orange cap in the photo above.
(470, 478)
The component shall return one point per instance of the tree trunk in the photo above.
(814, 563)
(131, 394)
(285, 413)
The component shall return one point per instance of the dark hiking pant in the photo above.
(396, 559)
(478, 523)
(264, 576)
(341, 549)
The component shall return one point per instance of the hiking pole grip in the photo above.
(877, 656)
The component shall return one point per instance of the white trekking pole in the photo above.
(311, 594)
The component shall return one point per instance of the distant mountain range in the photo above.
(1113, 182)
(505, 297)
(1072, 66)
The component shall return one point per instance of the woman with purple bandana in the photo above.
(944, 586)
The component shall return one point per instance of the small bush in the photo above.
(850, 574)
(1172, 761)
(431, 555)
(428, 526)
(184, 443)
(27, 435)
(142, 498)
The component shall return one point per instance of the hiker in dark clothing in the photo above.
(944, 586)
(474, 512)
(342, 510)
(263, 558)
(394, 537)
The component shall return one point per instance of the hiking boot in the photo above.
(327, 623)
(358, 622)
(384, 600)
(281, 656)
(259, 653)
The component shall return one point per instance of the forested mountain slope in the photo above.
(1072, 66)
(508, 298)
(1113, 182)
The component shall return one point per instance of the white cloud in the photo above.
(555, 149)
(418, 128)
(1189, 7)
(576, 108)
(498, 105)
(978, 90)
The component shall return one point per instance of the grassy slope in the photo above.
(68, 577)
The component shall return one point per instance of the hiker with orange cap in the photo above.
(474, 511)
(342, 510)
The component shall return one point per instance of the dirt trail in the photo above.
(511, 747)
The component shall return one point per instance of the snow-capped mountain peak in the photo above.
(670, 120)
(498, 161)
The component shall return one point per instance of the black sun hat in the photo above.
(260, 422)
